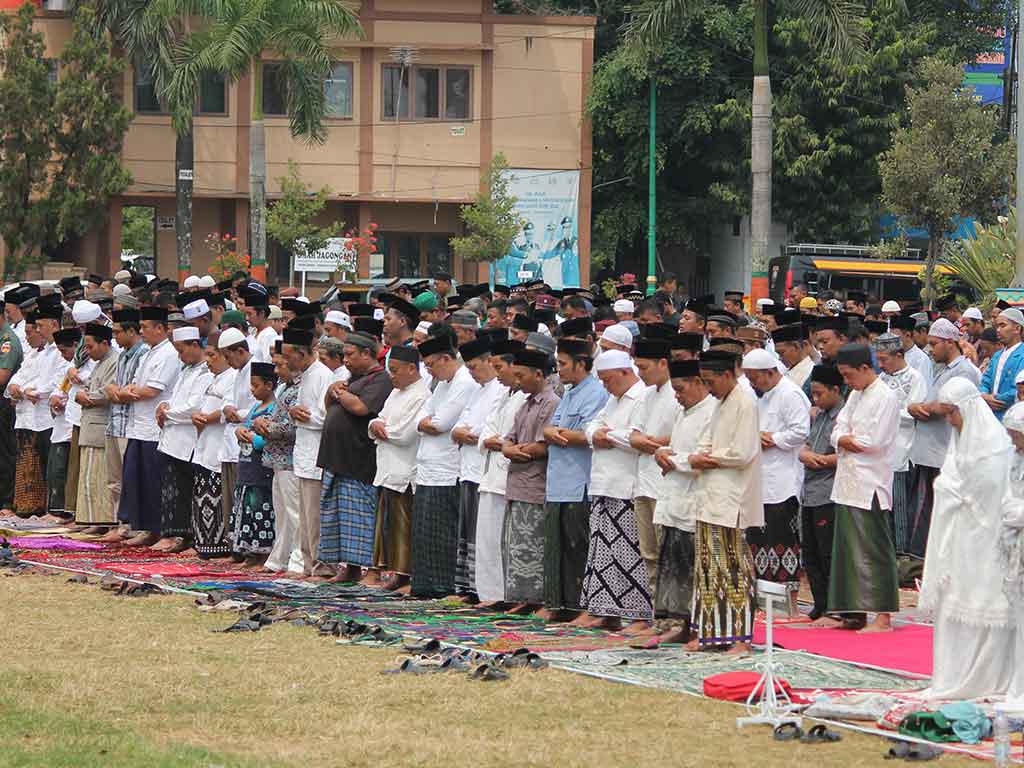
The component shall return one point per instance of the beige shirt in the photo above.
(93, 431)
(731, 495)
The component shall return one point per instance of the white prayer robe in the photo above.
(396, 456)
(785, 412)
(677, 506)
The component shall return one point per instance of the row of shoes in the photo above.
(477, 665)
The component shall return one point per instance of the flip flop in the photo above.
(919, 753)
(787, 732)
(429, 646)
(488, 672)
(242, 625)
(412, 667)
(898, 751)
(820, 734)
(524, 661)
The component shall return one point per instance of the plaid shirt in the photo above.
(127, 364)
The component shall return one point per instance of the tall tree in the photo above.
(950, 159)
(491, 219)
(301, 36)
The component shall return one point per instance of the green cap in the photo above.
(233, 317)
(426, 301)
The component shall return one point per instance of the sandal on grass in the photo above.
(488, 671)
(820, 734)
(787, 732)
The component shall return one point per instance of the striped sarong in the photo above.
(435, 539)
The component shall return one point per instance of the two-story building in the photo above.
(406, 145)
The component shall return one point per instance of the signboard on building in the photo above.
(547, 248)
(339, 254)
(165, 223)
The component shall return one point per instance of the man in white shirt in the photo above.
(793, 350)
(308, 412)
(650, 430)
(257, 313)
(233, 411)
(477, 356)
(863, 577)
(784, 417)
(143, 464)
(909, 387)
(395, 432)
(57, 468)
(435, 519)
(615, 584)
(916, 358)
(676, 512)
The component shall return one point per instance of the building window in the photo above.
(414, 254)
(275, 92)
(438, 92)
(439, 254)
(146, 99)
(338, 90)
(213, 95)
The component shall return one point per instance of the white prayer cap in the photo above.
(121, 290)
(1014, 315)
(274, 312)
(122, 275)
(378, 314)
(612, 359)
(759, 360)
(229, 338)
(766, 302)
(624, 305)
(943, 329)
(1020, 378)
(195, 309)
(207, 281)
(973, 313)
(186, 333)
(192, 281)
(618, 334)
(891, 306)
(423, 327)
(336, 317)
(85, 312)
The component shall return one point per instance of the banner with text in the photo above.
(547, 248)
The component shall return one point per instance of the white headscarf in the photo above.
(1011, 538)
(981, 435)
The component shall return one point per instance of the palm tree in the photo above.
(836, 26)
(299, 33)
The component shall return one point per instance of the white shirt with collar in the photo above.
(24, 411)
(785, 412)
(313, 385)
(871, 417)
(179, 434)
(613, 470)
(240, 397)
(909, 387)
(158, 369)
(676, 505)
(210, 445)
(498, 424)
(485, 400)
(798, 373)
(62, 427)
(42, 385)
(437, 460)
(655, 417)
(396, 456)
(73, 411)
(264, 345)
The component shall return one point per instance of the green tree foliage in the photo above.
(137, 227)
(291, 219)
(60, 141)
(491, 219)
(950, 159)
(986, 261)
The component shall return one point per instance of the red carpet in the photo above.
(907, 648)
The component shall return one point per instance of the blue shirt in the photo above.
(569, 467)
(1007, 386)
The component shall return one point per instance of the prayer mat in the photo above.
(465, 557)
(615, 582)
(252, 520)
(348, 516)
(53, 542)
(566, 541)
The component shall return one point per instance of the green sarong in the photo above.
(863, 577)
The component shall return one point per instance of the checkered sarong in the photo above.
(435, 539)
(348, 516)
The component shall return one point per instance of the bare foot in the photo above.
(5, 512)
(882, 623)
(144, 539)
(113, 536)
(675, 635)
(637, 628)
(693, 645)
(544, 614)
(582, 620)
(164, 544)
(372, 578)
(827, 622)
(396, 582)
(405, 589)
(522, 609)
(611, 623)
(738, 649)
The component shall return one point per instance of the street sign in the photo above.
(338, 249)
(165, 223)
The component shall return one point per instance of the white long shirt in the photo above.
(437, 460)
(179, 434)
(158, 369)
(871, 416)
(24, 411)
(240, 397)
(654, 417)
(73, 411)
(61, 426)
(396, 456)
(313, 386)
(785, 413)
(498, 424)
(677, 493)
(210, 444)
(613, 470)
(485, 400)
(798, 373)
(263, 351)
(920, 362)
(909, 387)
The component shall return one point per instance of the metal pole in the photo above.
(652, 203)
(1018, 278)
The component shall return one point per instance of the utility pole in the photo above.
(652, 194)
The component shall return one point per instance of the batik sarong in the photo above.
(775, 546)
(566, 541)
(392, 534)
(209, 523)
(435, 540)
(673, 596)
(465, 558)
(723, 586)
(252, 520)
(864, 576)
(30, 496)
(176, 486)
(522, 552)
(348, 516)
(56, 478)
(615, 582)
(94, 506)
